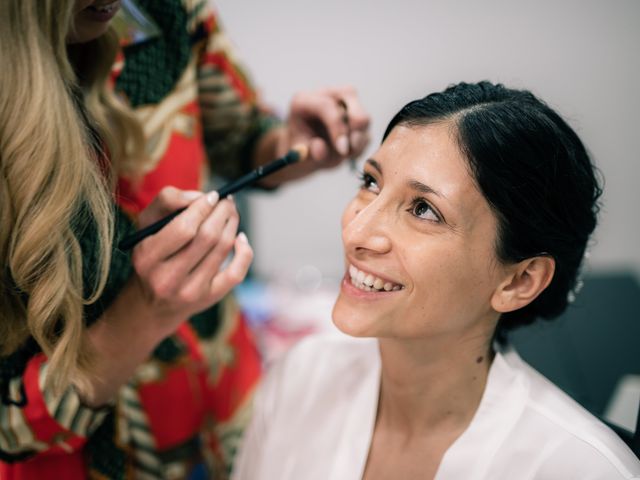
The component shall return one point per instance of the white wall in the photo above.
(581, 56)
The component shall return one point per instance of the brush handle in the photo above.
(292, 156)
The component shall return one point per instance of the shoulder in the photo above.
(318, 366)
(571, 436)
(320, 358)
(337, 347)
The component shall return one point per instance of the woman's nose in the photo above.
(366, 228)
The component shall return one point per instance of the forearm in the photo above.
(42, 422)
(122, 339)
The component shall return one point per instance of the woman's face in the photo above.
(91, 19)
(419, 230)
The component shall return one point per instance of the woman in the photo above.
(112, 365)
(472, 219)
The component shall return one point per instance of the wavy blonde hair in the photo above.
(53, 176)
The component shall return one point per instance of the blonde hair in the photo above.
(52, 178)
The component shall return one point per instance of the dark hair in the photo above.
(535, 174)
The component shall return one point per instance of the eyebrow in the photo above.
(375, 165)
(422, 188)
(413, 184)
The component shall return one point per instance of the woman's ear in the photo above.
(523, 282)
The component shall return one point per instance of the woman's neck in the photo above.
(432, 385)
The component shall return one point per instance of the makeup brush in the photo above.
(296, 154)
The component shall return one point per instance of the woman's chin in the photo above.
(351, 322)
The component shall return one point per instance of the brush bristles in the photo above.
(302, 151)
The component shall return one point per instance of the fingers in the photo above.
(167, 201)
(343, 121)
(179, 270)
(201, 275)
(318, 149)
(357, 118)
(309, 108)
(237, 269)
(210, 245)
(178, 233)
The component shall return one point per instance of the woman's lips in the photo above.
(102, 12)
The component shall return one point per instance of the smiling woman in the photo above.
(419, 222)
(472, 218)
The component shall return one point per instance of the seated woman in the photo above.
(472, 219)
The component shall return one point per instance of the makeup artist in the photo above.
(117, 366)
(472, 219)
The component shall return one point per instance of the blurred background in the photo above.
(581, 56)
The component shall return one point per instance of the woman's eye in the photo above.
(367, 182)
(422, 209)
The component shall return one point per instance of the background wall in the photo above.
(581, 56)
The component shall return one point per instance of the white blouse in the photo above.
(315, 411)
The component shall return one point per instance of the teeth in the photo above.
(369, 283)
(105, 8)
(353, 271)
